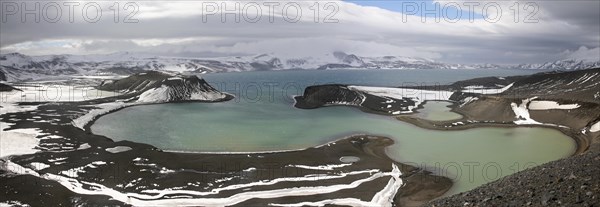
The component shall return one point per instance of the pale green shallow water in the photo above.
(437, 111)
(471, 157)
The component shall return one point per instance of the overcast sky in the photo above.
(456, 31)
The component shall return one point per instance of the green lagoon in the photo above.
(262, 118)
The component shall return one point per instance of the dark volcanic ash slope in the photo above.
(572, 181)
(2, 76)
(582, 85)
(162, 87)
(575, 87)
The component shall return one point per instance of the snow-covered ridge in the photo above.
(567, 64)
(19, 67)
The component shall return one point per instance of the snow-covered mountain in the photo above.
(19, 67)
(568, 64)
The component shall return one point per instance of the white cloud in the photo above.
(583, 53)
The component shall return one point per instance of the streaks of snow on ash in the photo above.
(149, 177)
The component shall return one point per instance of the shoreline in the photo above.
(419, 186)
(581, 142)
(88, 125)
(409, 118)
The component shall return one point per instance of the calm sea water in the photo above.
(262, 118)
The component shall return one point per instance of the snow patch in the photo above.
(39, 165)
(84, 146)
(595, 127)
(481, 90)
(467, 100)
(104, 108)
(17, 141)
(207, 96)
(118, 149)
(321, 167)
(155, 95)
(250, 169)
(547, 105)
(522, 113)
(416, 95)
(383, 198)
(53, 92)
(13, 204)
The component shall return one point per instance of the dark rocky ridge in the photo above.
(5, 87)
(336, 94)
(2, 76)
(581, 85)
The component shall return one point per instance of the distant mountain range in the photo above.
(19, 67)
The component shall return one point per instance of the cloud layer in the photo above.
(558, 29)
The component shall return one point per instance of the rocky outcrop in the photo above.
(2, 75)
(4, 87)
(318, 96)
(335, 95)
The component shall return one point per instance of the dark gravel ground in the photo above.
(573, 181)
